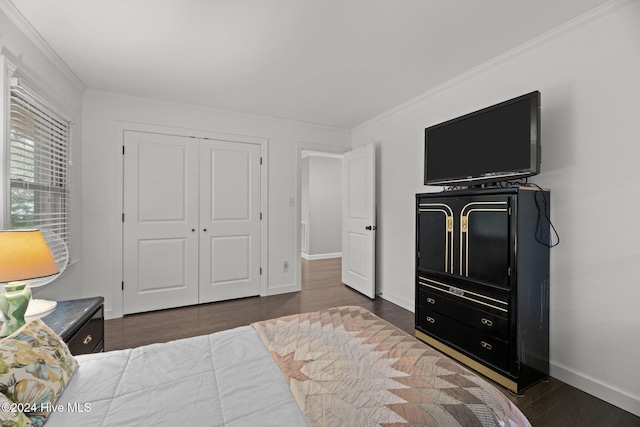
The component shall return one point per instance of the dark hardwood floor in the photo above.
(551, 403)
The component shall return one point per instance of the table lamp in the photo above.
(24, 254)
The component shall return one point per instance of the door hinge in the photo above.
(509, 210)
(261, 216)
(123, 285)
(260, 160)
(123, 149)
(261, 271)
(123, 217)
(418, 254)
(509, 271)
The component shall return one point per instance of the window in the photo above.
(40, 164)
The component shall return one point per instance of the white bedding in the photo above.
(224, 379)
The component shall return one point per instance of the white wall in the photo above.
(43, 72)
(325, 187)
(106, 114)
(322, 182)
(589, 75)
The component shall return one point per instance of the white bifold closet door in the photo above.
(191, 221)
(229, 220)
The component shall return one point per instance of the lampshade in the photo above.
(24, 254)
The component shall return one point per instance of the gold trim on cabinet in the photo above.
(465, 297)
(443, 205)
(464, 290)
(487, 372)
(449, 224)
(481, 203)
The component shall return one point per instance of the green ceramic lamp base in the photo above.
(13, 305)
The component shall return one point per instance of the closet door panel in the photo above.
(160, 207)
(229, 220)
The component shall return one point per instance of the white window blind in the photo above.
(40, 164)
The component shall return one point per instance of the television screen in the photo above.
(496, 143)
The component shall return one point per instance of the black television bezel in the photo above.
(492, 177)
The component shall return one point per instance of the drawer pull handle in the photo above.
(486, 322)
(431, 320)
(431, 301)
(486, 345)
(87, 339)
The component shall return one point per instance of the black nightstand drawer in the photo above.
(80, 323)
(90, 337)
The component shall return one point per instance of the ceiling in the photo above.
(329, 62)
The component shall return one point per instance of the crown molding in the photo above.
(571, 25)
(233, 113)
(27, 29)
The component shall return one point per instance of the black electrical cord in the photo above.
(541, 204)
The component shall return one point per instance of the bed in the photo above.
(336, 367)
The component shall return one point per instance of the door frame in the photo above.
(117, 192)
(300, 147)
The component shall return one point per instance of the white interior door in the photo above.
(161, 222)
(358, 220)
(229, 220)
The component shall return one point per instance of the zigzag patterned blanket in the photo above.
(346, 366)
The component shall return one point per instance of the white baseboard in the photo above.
(282, 290)
(320, 256)
(110, 314)
(407, 305)
(609, 393)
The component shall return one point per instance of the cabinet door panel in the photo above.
(485, 241)
(435, 231)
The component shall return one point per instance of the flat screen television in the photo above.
(497, 143)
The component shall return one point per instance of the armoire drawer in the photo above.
(478, 344)
(496, 323)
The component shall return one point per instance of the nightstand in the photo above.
(80, 323)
